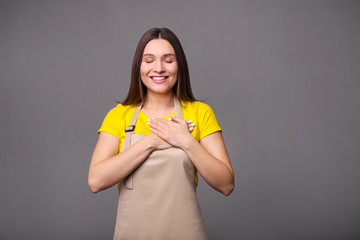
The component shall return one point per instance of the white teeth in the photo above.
(158, 78)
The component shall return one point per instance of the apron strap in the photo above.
(130, 131)
(178, 110)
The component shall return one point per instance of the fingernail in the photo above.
(149, 122)
(188, 121)
(150, 129)
(192, 125)
(190, 129)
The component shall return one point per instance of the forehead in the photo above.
(158, 47)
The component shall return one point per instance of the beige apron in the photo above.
(158, 200)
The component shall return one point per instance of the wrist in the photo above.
(188, 142)
(149, 143)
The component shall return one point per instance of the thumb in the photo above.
(176, 119)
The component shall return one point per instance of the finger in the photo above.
(191, 126)
(176, 119)
(162, 127)
(154, 125)
(157, 133)
(158, 120)
(158, 123)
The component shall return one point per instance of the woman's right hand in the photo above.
(157, 142)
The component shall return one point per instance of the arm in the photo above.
(212, 161)
(107, 167)
(209, 156)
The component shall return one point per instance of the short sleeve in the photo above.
(207, 120)
(112, 124)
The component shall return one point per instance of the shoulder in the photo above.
(120, 108)
(120, 111)
(118, 116)
(204, 117)
(196, 106)
(116, 119)
(200, 111)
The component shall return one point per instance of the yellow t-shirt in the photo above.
(198, 112)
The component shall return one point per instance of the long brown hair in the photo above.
(182, 88)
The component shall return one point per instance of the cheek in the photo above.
(143, 74)
(174, 70)
(144, 69)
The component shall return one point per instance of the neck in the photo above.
(159, 101)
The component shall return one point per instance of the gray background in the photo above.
(281, 76)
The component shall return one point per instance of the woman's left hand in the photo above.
(175, 131)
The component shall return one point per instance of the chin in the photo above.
(160, 89)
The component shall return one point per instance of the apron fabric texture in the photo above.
(158, 199)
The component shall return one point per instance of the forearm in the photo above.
(110, 171)
(214, 171)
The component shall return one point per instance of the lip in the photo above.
(159, 79)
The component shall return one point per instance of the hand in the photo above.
(190, 125)
(174, 131)
(158, 143)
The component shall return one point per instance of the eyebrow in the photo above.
(165, 55)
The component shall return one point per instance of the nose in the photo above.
(159, 67)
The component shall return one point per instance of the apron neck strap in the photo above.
(131, 126)
(178, 110)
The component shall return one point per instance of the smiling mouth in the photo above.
(158, 78)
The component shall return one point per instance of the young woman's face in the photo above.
(158, 69)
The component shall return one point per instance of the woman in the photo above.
(160, 152)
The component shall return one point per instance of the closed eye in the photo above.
(169, 59)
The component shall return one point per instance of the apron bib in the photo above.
(158, 200)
